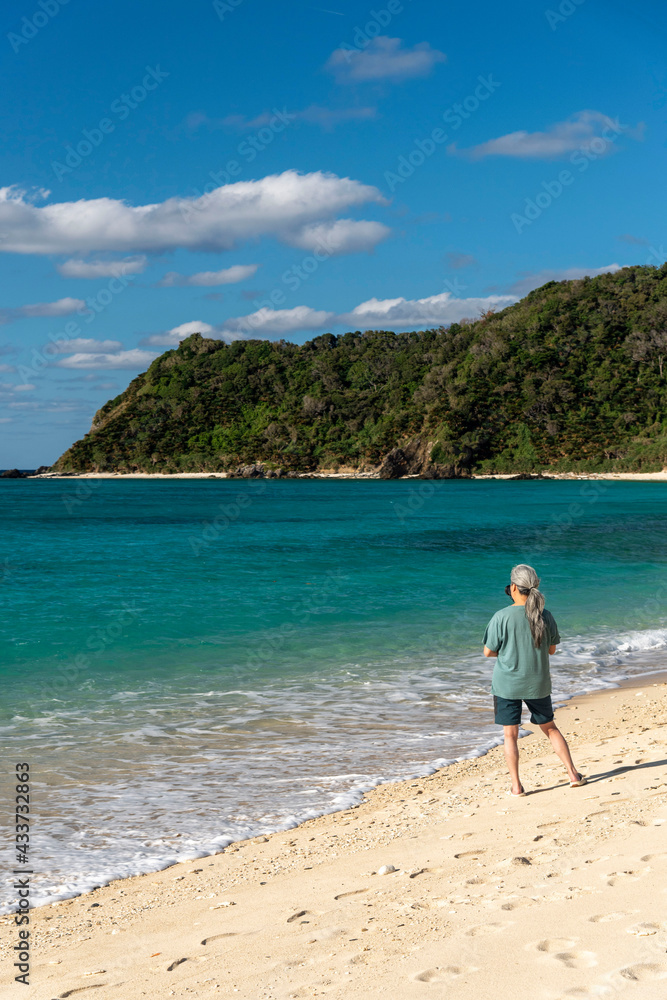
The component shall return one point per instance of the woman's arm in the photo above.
(491, 652)
(552, 649)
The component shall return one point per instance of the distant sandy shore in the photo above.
(658, 477)
(557, 895)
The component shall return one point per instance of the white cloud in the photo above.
(557, 141)
(527, 282)
(12, 387)
(7, 368)
(276, 321)
(48, 406)
(172, 338)
(15, 193)
(314, 114)
(63, 307)
(387, 314)
(207, 279)
(280, 205)
(102, 268)
(256, 324)
(383, 59)
(84, 345)
(340, 236)
(435, 310)
(131, 359)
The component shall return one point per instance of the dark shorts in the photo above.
(508, 710)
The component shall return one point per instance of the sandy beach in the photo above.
(558, 894)
(658, 477)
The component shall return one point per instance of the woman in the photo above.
(521, 638)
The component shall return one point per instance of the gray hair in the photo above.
(527, 580)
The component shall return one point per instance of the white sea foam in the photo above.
(139, 782)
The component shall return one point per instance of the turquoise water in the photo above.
(188, 662)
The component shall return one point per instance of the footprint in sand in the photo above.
(603, 918)
(216, 937)
(585, 992)
(444, 975)
(179, 961)
(295, 916)
(514, 904)
(643, 930)
(486, 929)
(469, 854)
(353, 892)
(80, 989)
(553, 945)
(430, 976)
(621, 878)
(644, 973)
(577, 959)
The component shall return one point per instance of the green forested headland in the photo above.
(572, 377)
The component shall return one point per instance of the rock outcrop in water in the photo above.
(572, 378)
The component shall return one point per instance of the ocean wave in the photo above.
(154, 779)
(616, 645)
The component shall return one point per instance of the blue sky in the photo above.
(253, 169)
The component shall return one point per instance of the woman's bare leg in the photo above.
(512, 756)
(559, 743)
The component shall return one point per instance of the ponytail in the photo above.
(527, 580)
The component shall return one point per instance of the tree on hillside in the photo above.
(574, 376)
(650, 346)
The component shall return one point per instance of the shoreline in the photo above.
(354, 795)
(380, 828)
(576, 476)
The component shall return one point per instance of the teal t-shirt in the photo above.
(520, 670)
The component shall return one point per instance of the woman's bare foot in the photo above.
(521, 791)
